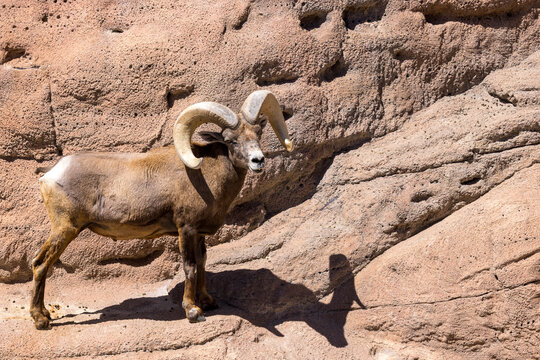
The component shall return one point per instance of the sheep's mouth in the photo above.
(256, 168)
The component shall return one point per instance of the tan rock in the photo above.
(415, 123)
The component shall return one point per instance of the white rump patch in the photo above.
(58, 171)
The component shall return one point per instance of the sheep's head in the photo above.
(241, 133)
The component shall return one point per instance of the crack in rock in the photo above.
(472, 296)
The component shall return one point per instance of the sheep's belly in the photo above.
(129, 231)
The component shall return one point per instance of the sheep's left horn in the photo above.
(264, 102)
(194, 116)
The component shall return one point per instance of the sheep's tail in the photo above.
(42, 169)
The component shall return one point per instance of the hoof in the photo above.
(208, 303)
(194, 315)
(42, 323)
(209, 306)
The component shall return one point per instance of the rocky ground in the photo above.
(404, 226)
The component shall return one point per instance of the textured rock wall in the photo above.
(112, 76)
(411, 197)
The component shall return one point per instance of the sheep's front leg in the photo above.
(189, 248)
(206, 301)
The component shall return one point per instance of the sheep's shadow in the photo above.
(257, 296)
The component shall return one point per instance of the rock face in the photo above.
(405, 224)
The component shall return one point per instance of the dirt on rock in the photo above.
(405, 225)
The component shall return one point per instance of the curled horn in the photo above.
(194, 116)
(264, 102)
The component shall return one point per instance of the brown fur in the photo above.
(126, 196)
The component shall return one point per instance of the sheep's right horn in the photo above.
(264, 102)
(194, 116)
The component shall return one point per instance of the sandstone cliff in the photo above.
(405, 225)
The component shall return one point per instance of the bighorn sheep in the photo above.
(183, 190)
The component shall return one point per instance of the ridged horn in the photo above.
(191, 118)
(264, 102)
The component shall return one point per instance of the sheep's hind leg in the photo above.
(47, 256)
(206, 301)
(188, 247)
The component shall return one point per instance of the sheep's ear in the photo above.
(263, 120)
(211, 136)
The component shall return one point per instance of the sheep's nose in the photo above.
(256, 163)
(259, 160)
